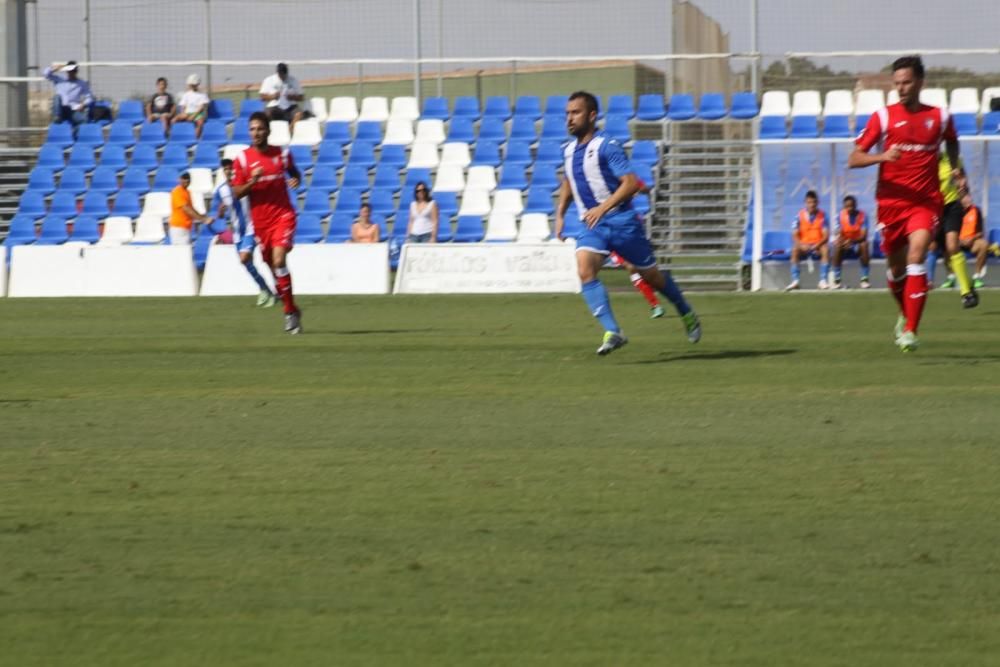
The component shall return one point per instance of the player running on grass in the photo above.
(909, 135)
(259, 173)
(601, 180)
(233, 212)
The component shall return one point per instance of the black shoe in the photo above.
(970, 299)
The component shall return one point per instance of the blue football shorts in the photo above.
(622, 233)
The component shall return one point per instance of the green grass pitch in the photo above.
(461, 481)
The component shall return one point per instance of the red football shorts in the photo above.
(896, 225)
(279, 233)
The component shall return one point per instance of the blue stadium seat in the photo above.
(991, 122)
(199, 249)
(539, 201)
(317, 202)
(553, 126)
(42, 180)
(393, 154)
(776, 246)
(414, 176)
(308, 229)
(544, 176)
(773, 127)
(368, 130)
(136, 178)
(113, 157)
(550, 152)
(712, 106)
(461, 129)
(63, 203)
(95, 203)
(151, 134)
(60, 134)
(492, 128)
(51, 156)
(486, 153)
(331, 154)
(512, 178)
(523, 128)
(387, 176)
(651, 107)
(241, 134)
(355, 176)
(528, 106)
(339, 131)
(645, 151)
(469, 229)
(90, 134)
(362, 153)
(744, 106)
(349, 202)
(221, 110)
(131, 111)
(497, 107)
(175, 155)
(837, 126)
(621, 105)
(617, 128)
(249, 106)
(22, 231)
(640, 203)
(104, 179)
(466, 107)
(144, 156)
(206, 155)
(965, 123)
(126, 203)
(555, 105)
(213, 132)
(73, 179)
(382, 201)
(435, 108)
(645, 171)
(518, 153)
(83, 157)
(681, 107)
(447, 203)
(445, 234)
(324, 177)
(85, 230)
(804, 127)
(122, 133)
(340, 228)
(302, 156)
(166, 179)
(31, 204)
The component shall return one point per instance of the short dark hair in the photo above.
(850, 198)
(910, 62)
(282, 68)
(185, 176)
(162, 78)
(261, 116)
(365, 205)
(812, 195)
(589, 100)
(226, 163)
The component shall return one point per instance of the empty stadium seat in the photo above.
(539, 201)
(508, 201)
(518, 153)
(935, 97)
(544, 176)
(617, 128)
(131, 111)
(712, 106)
(404, 108)
(362, 153)
(512, 177)
(60, 134)
(387, 176)
(486, 153)
(117, 231)
(394, 155)
(248, 107)
(175, 155)
(868, 102)
(497, 107)
(151, 134)
(53, 231)
(461, 130)
(804, 127)
(183, 133)
(74, 180)
(339, 230)
(348, 201)
(149, 230)
(430, 131)
(773, 127)
(374, 109)
(522, 128)
(382, 202)
(806, 103)
(136, 178)
(553, 127)
(306, 133)
(501, 226)
(423, 156)
(52, 157)
(22, 231)
(528, 106)
(399, 132)
(550, 152)
(342, 109)
(302, 154)
(324, 177)
(201, 182)
(475, 202)
(989, 94)
(640, 203)
(555, 105)
(331, 154)
(492, 129)
(775, 103)
(280, 133)
(317, 107)
(339, 131)
(104, 179)
(681, 107)
(621, 105)
(63, 203)
(317, 202)
(206, 155)
(42, 180)
(368, 130)
(213, 132)
(964, 100)
(222, 110)
(95, 203)
(413, 177)
(651, 108)
(241, 133)
(455, 153)
(85, 230)
(837, 126)
(534, 228)
(892, 97)
(466, 107)
(481, 177)
(435, 108)
(966, 123)
(645, 151)
(838, 103)
(744, 106)
(450, 178)
(776, 245)
(165, 179)
(90, 134)
(32, 204)
(355, 176)
(468, 229)
(308, 229)
(83, 157)
(157, 204)
(991, 123)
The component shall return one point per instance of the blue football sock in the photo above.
(596, 297)
(932, 260)
(864, 272)
(795, 272)
(824, 271)
(673, 294)
(257, 278)
(836, 274)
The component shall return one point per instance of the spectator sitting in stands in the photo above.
(282, 93)
(182, 212)
(851, 236)
(364, 230)
(810, 234)
(160, 106)
(423, 227)
(193, 105)
(74, 101)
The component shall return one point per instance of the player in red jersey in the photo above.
(909, 135)
(259, 172)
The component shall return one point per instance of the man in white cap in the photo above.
(73, 97)
(193, 105)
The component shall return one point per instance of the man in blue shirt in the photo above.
(74, 100)
(600, 178)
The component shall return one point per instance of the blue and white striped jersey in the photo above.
(594, 171)
(239, 215)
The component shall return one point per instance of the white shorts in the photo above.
(180, 236)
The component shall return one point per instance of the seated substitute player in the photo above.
(810, 234)
(946, 239)
(234, 212)
(851, 236)
(259, 173)
(600, 178)
(971, 238)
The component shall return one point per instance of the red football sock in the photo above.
(283, 284)
(645, 289)
(915, 292)
(896, 288)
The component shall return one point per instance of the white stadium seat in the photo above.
(405, 108)
(201, 181)
(280, 135)
(481, 177)
(430, 131)
(455, 153)
(964, 100)
(534, 228)
(935, 97)
(231, 151)
(892, 97)
(775, 103)
(118, 229)
(988, 95)
(157, 203)
(374, 108)
(450, 178)
(869, 101)
(342, 110)
(198, 203)
(423, 156)
(839, 103)
(475, 202)
(501, 226)
(306, 133)
(317, 106)
(398, 132)
(806, 103)
(508, 201)
(149, 229)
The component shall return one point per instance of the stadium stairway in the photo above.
(17, 156)
(700, 206)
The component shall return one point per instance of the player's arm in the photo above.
(952, 149)
(565, 194)
(242, 182)
(294, 176)
(860, 156)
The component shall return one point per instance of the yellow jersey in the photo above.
(948, 189)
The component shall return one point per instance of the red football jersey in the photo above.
(269, 200)
(913, 178)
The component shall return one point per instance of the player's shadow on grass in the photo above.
(369, 332)
(959, 359)
(721, 355)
